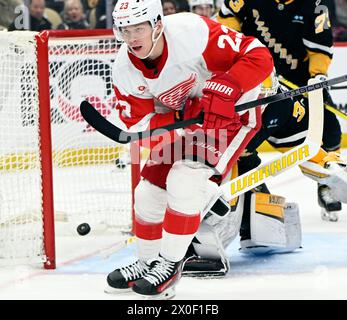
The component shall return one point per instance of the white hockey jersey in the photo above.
(195, 48)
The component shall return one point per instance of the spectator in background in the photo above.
(169, 7)
(202, 7)
(7, 9)
(37, 21)
(74, 17)
(340, 27)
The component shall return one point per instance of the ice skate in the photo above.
(330, 206)
(122, 279)
(160, 281)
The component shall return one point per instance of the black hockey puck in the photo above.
(83, 229)
(120, 164)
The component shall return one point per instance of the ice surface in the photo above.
(317, 271)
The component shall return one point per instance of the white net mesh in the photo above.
(20, 178)
(91, 175)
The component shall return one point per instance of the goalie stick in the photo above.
(293, 157)
(98, 122)
(339, 112)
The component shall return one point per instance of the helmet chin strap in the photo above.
(154, 43)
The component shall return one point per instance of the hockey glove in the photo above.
(191, 109)
(218, 103)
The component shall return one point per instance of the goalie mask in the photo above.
(193, 3)
(202, 7)
(269, 87)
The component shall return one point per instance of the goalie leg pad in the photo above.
(226, 226)
(292, 227)
(206, 256)
(275, 226)
(217, 230)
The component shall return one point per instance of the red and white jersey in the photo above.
(195, 48)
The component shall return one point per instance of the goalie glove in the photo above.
(218, 103)
(330, 170)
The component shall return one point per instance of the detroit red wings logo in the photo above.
(174, 97)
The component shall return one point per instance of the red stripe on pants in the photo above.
(179, 223)
(146, 230)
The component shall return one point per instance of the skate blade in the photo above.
(204, 275)
(329, 216)
(110, 290)
(166, 295)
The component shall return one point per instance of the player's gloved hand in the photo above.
(191, 109)
(218, 102)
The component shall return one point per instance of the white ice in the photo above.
(317, 271)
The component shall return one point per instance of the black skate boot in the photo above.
(329, 205)
(122, 279)
(159, 282)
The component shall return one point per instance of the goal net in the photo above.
(51, 162)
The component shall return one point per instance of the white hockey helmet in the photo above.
(269, 87)
(193, 3)
(131, 12)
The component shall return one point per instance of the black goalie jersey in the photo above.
(297, 32)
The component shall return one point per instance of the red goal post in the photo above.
(53, 166)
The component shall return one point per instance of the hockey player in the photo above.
(299, 36)
(164, 64)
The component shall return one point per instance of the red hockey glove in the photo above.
(192, 108)
(218, 103)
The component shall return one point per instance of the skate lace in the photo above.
(160, 272)
(135, 270)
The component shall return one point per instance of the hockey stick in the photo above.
(289, 159)
(338, 88)
(98, 122)
(338, 112)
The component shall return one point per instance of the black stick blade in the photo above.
(98, 122)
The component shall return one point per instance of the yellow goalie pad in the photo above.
(274, 224)
(270, 205)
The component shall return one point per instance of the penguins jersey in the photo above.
(284, 125)
(298, 33)
(195, 48)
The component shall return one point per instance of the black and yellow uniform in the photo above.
(292, 30)
(284, 125)
(299, 36)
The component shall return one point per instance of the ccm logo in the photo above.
(215, 86)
